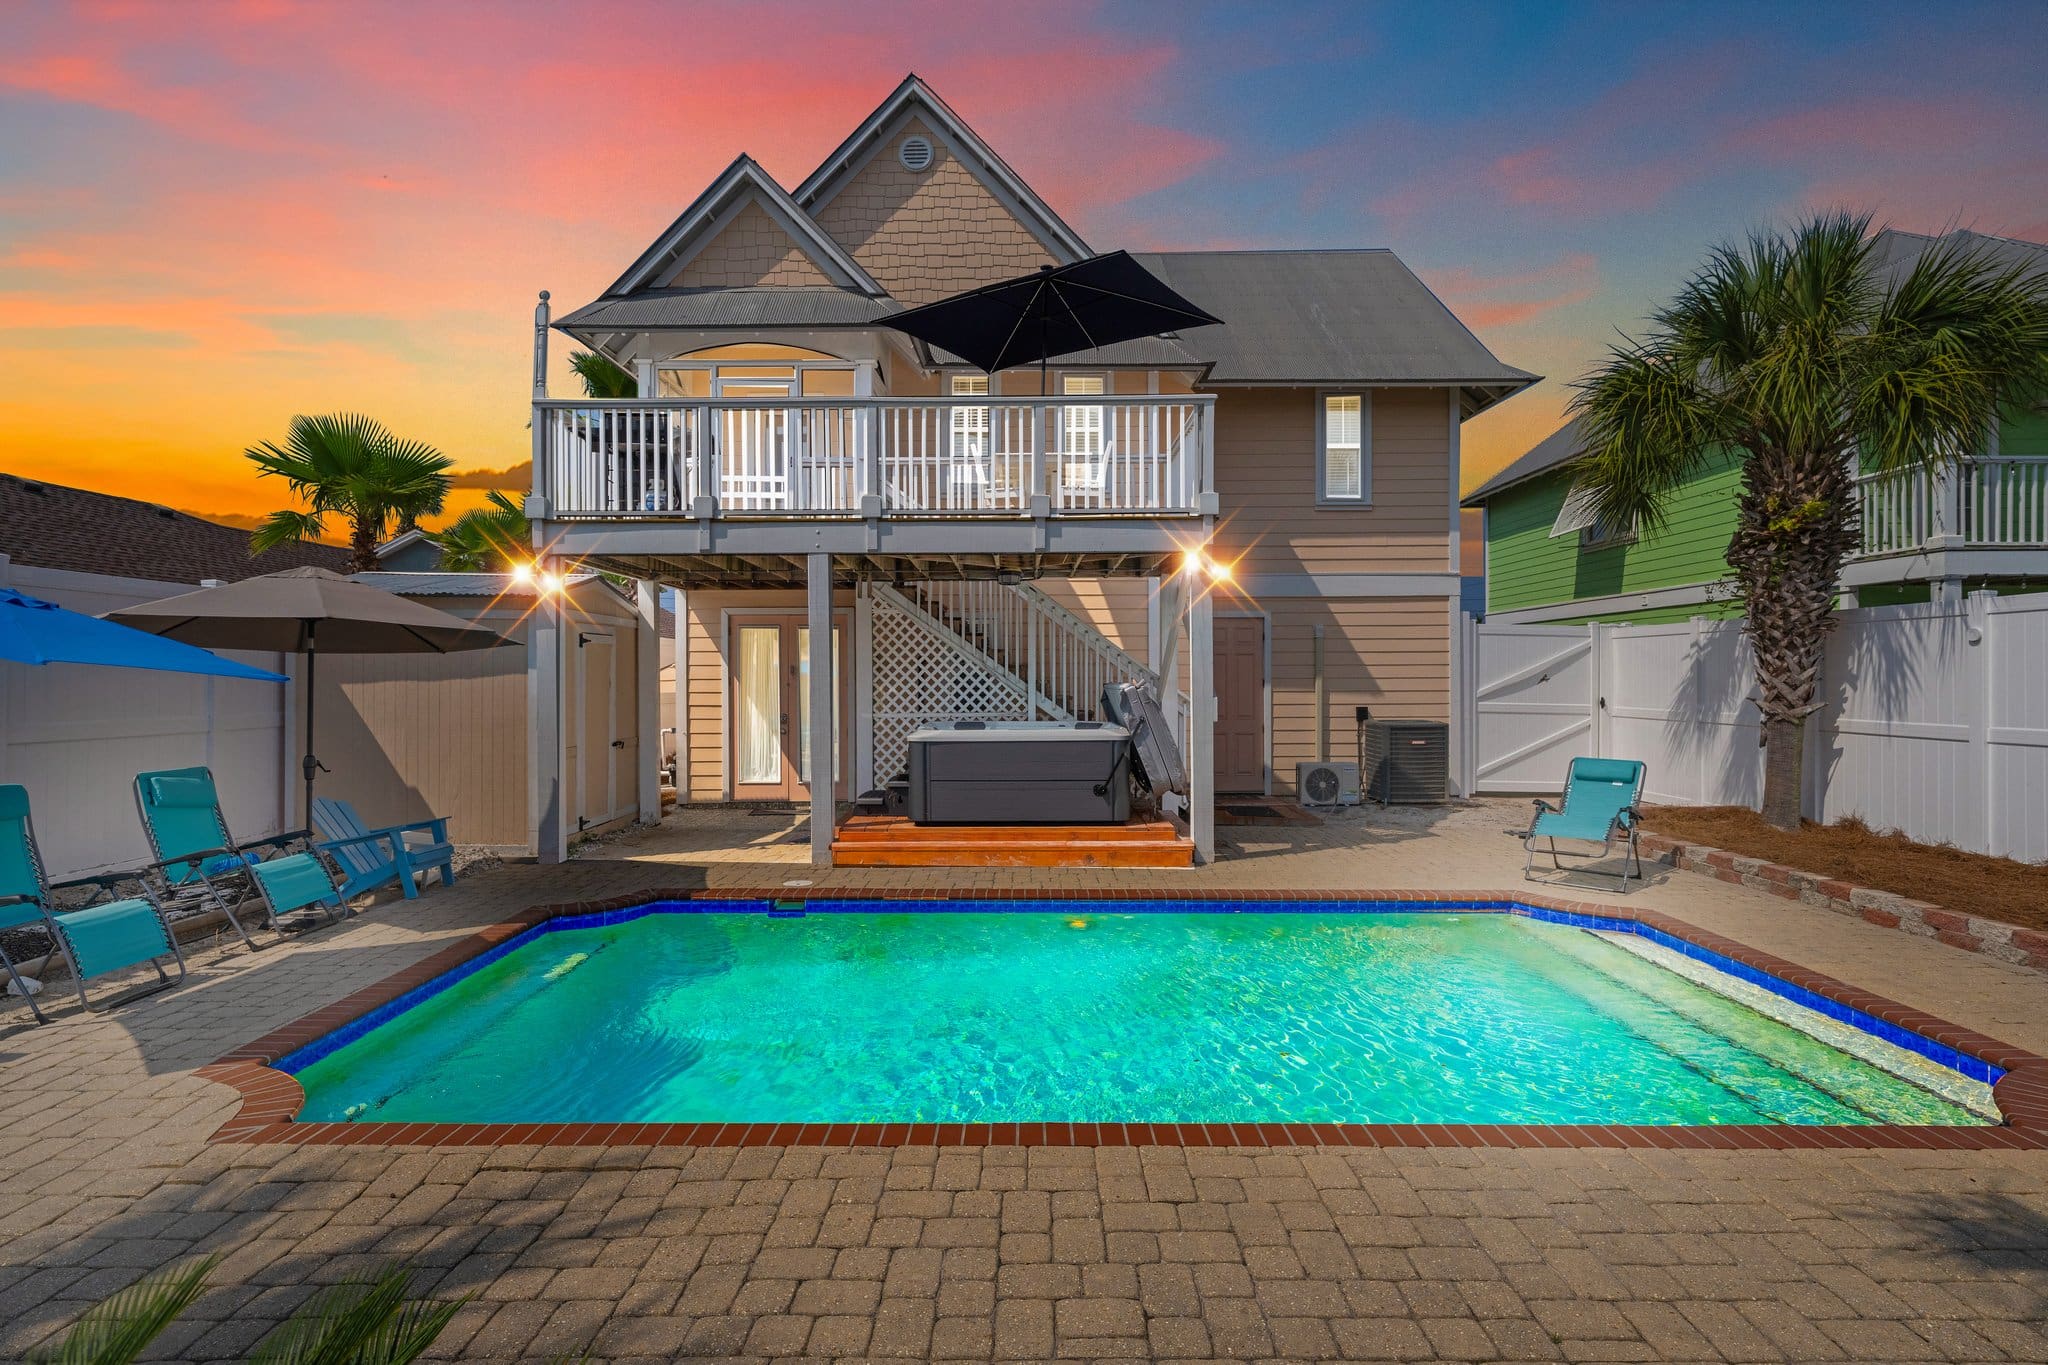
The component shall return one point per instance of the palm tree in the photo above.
(601, 378)
(349, 465)
(1795, 352)
(486, 538)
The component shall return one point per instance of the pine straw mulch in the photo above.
(2002, 889)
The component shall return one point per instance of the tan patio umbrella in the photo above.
(310, 612)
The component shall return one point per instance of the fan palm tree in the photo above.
(1795, 352)
(601, 378)
(486, 538)
(348, 465)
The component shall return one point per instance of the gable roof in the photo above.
(1328, 317)
(50, 526)
(753, 306)
(913, 96)
(1560, 447)
(742, 180)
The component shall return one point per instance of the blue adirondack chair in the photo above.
(95, 938)
(372, 857)
(1600, 796)
(200, 866)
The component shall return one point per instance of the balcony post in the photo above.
(709, 457)
(824, 709)
(1040, 503)
(537, 501)
(1947, 518)
(1202, 721)
(546, 661)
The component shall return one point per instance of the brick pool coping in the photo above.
(271, 1099)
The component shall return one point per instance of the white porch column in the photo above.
(1201, 723)
(544, 698)
(824, 709)
(647, 597)
(680, 690)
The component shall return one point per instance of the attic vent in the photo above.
(915, 153)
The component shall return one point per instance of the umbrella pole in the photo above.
(309, 764)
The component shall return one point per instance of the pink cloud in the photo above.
(1494, 301)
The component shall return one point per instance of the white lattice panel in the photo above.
(922, 678)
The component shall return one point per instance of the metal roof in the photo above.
(1559, 447)
(1327, 317)
(752, 306)
(452, 584)
(1894, 252)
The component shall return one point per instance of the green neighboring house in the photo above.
(1983, 524)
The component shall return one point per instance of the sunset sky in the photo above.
(213, 216)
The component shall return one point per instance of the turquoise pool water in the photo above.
(1087, 1016)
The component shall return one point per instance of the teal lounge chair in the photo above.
(1600, 796)
(96, 937)
(199, 865)
(372, 857)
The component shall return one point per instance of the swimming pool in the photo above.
(855, 1012)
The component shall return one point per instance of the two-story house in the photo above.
(1981, 523)
(1260, 517)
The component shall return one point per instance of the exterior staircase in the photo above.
(1060, 661)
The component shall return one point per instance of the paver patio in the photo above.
(1021, 1253)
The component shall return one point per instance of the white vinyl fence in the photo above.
(76, 736)
(1935, 719)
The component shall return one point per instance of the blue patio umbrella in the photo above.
(33, 631)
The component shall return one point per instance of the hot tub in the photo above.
(1020, 773)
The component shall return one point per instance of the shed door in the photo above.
(1240, 704)
(599, 745)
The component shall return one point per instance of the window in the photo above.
(1344, 457)
(1083, 421)
(970, 424)
(1603, 533)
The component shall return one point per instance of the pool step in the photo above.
(892, 841)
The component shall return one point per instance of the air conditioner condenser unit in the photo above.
(1326, 784)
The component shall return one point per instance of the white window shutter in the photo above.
(1578, 512)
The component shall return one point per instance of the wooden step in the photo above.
(892, 841)
(870, 828)
(1013, 855)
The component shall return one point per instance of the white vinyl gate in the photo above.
(1534, 704)
(1934, 718)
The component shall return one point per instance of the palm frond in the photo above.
(601, 378)
(119, 1329)
(288, 527)
(365, 1320)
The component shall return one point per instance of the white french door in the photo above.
(771, 709)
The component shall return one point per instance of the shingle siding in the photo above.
(750, 250)
(926, 234)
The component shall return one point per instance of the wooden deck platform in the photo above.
(892, 841)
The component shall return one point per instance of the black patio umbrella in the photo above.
(1056, 310)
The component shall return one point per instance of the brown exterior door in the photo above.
(770, 709)
(1240, 704)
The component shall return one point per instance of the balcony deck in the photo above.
(732, 490)
(1987, 515)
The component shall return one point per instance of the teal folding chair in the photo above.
(1600, 798)
(96, 937)
(371, 857)
(199, 865)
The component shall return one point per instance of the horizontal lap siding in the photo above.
(1527, 567)
(1389, 653)
(1266, 482)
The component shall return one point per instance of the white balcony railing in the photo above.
(1993, 503)
(890, 457)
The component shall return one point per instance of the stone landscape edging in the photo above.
(2022, 947)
